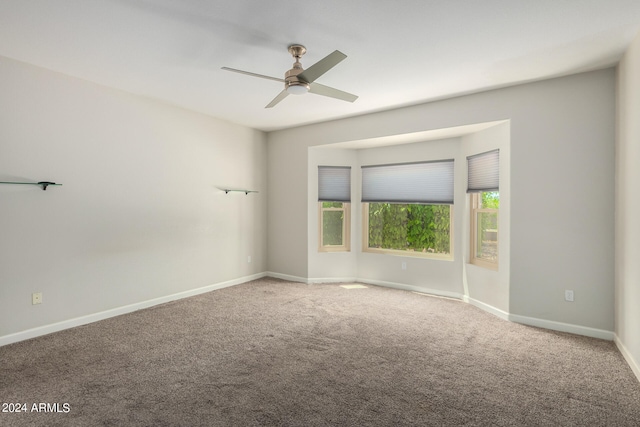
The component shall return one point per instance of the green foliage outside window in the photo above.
(420, 228)
(491, 200)
(489, 221)
(332, 204)
(487, 226)
(332, 224)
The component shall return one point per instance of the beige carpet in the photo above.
(271, 352)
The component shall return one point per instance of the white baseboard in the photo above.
(331, 280)
(563, 327)
(486, 307)
(542, 323)
(411, 288)
(286, 277)
(633, 364)
(90, 318)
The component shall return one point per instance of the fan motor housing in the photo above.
(293, 84)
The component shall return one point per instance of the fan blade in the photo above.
(319, 68)
(253, 74)
(323, 90)
(282, 95)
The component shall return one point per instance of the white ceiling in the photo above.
(400, 52)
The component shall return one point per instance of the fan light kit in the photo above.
(298, 81)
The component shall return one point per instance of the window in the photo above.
(484, 228)
(414, 229)
(334, 221)
(334, 197)
(407, 209)
(483, 184)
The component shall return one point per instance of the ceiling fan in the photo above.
(299, 81)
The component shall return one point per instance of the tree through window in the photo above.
(407, 208)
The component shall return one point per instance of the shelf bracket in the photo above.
(45, 184)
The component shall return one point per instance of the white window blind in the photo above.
(334, 183)
(483, 172)
(423, 182)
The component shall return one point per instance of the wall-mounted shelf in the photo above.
(43, 184)
(236, 190)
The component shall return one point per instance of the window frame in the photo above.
(346, 227)
(475, 201)
(406, 253)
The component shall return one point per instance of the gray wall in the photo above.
(138, 217)
(628, 208)
(562, 134)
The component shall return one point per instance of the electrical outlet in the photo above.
(404, 265)
(249, 258)
(568, 295)
(36, 298)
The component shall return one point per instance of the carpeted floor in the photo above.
(271, 352)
